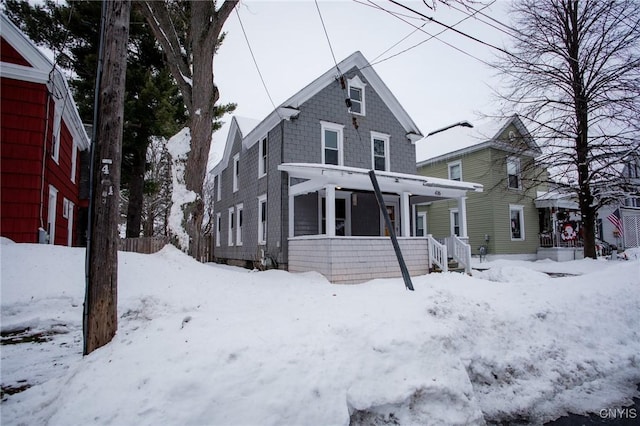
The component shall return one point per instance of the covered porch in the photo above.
(335, 225)
(560, 227)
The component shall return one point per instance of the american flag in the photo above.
(616, 220)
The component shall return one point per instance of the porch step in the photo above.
(452, 266)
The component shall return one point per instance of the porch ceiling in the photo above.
(320, 175)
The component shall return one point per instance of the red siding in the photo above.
(9, 54)
(24, 188)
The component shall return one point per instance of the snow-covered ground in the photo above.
(201, 344)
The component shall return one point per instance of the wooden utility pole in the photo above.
(100, 320)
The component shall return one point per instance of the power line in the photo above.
(327, 35)
(256, 63)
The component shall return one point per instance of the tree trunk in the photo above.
(100, 320)
(136, 195)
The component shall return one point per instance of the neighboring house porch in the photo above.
(335, 226)
(560, 235)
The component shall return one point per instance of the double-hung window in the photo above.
(239, 209)
(380, 151)
(236, 172)
(513, 173)
(262, 157)
(516, 216)
(230, 227)
(455, 170)
(356, 96)
(332, 149)
(262, 219)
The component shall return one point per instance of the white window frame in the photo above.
(520, 209)
(262, 221)
(52, 213)
(230, 221)
(239, 220)
(418, 215)
(339, 129)
(219, 188)
(452, 222)
(516, 161)
(218, 228)
(69, 217)
(262, 157)
(387, 160)
(453, 164)
(236, 172)
(74, 162)
(356, 83)
(57, 125)
(65, 207)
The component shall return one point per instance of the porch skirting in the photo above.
(351, 260)
(560, 254)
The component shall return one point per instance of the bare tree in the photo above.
(574, 73)
(100, 320)
(189, 33)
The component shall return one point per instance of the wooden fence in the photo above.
(146, 245)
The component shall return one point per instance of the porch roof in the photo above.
(319, 175)
(556, 199)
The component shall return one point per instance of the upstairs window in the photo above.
(513, 173)
(356, 96)
(380, 151)
(455, 170)
(236, 172)
(262, 158)
(57, 125)
(219, 187)
(74, 162)
(332, 151)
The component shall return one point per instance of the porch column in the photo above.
(405, 215)
(462, 212)
(330, 206)
(291, 214)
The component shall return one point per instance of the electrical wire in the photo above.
(256, 64)
(328, 40)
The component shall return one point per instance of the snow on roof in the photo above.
(246, 124)
(457, 139)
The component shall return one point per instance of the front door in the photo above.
(393, 210)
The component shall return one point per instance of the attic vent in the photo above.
(512, 135)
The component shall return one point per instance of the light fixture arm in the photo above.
(460, 123)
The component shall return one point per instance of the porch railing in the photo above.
(461, 252)
(437, 254)
(555, 240)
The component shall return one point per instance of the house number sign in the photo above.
(107, 187)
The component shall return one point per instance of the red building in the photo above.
(40, 143)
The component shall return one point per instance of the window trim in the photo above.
(52, 213)
(74, 162)
(516, 161)
(230, 214)
(356, 83)
(452, 223)
(423, 215)
(263, 145)
(387, 160)
(55, 135)
(239, 220)
(236, 172)
(519, 208)
(218, 228)
(262, 221)
(453, 164)
(339, 129)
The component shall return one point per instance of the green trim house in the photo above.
(503, 219)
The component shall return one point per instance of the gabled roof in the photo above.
(461, 140)
(239, 125)
(42, 71)
(289, 108)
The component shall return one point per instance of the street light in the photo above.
(461, 124)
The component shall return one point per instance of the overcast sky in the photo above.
(435, 83)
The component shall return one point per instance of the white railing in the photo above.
(437, 253)
(461, 252)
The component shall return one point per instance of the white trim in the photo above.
(520, 209)
(263, 144)
(239, 223)
(453, 164)
(219, 187)
(339, 129)
(57, 126)
(230, 221)
(262, 221)
(218, 228)
(65, 207)
(356, 83)
(387, 160)
(74, 161)
(70, 206)
(338, 195)
(52, 213)
(236, 172)
(420, 215)
(452, 213)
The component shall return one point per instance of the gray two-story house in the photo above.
(293, 191)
